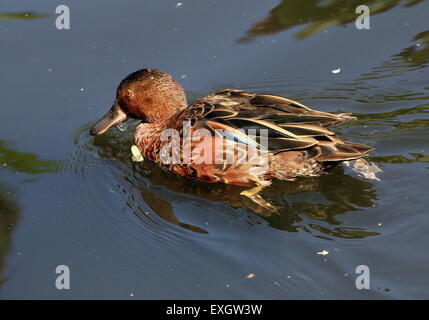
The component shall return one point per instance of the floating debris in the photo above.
(323, 253)
(250, 276)
(336, 70)
(136, 155)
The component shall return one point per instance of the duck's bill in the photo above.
(115, 116)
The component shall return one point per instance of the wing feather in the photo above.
(290, 125)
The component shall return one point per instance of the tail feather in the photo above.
(339, 150)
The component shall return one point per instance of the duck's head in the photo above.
(147, 94)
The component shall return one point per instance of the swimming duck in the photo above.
(298, 141)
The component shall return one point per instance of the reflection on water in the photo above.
(322, 203)
(24, 162)
(25, 15)
(412, 58)
(22, 15)
(9, 215)
(16, 162)
(394, 159)
(392, 124)
(308, 204)
(317, 15)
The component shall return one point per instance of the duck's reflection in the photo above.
(309, 204)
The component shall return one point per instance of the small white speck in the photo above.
(323, 253)
(418, 45)
(379, 224)
(183, 76)
(82, 89)
(49, 70)
(336, 70)
(179, 4)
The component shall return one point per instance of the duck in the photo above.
(268, 137)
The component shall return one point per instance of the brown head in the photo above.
(147, 94)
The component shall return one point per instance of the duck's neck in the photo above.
(164, 101)
(164, 111)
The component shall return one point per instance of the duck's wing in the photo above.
(288, 124)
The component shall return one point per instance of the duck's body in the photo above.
(299, 142)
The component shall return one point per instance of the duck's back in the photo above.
(290, 124)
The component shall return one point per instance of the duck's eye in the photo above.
(128, 93)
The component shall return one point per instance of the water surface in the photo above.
(130, 230)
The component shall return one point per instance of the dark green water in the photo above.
(124, 228)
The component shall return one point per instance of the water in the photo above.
(130, 230)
